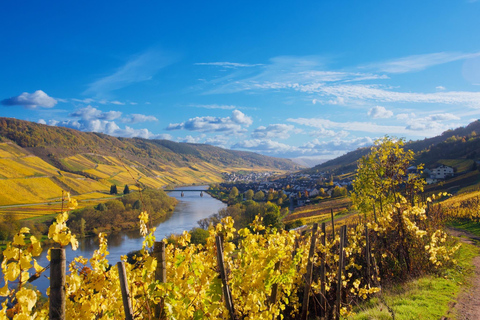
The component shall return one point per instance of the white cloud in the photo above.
(336, 146)
(329, 133)
(265, 146)
(42, 121)
(230, 125)
(379, 112)
(273, 131)
(191, 139)
(138, 69)
(137, 118)
(241, 118)
(91, 113)
(218, 140)
(31, 100)
(419, 62)
(163, 136)
(118, 103)
(440, 88)
(107, 127)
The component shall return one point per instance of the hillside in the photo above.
(38, 161)
(458, 148)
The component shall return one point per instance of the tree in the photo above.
(137, 204)
(233, 193)
(339, 192)
(113, 189)
(259, 196)
(249, 194)
(199, 236)
(126, 190)
(269, 196)
(323, 194)
(101, 207)
(381, 174)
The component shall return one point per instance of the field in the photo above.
(320, 211)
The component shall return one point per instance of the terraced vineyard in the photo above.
(37, 162)
(320, 211)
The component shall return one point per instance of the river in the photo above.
(188, 211)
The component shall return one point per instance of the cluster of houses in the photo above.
(298, 187)
(249, 176)
(436, 174)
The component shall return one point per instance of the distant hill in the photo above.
(458, 148)
(308, 161)
(38, 161)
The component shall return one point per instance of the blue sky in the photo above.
(282, 78)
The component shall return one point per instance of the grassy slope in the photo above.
(428, 297)
(425, 298)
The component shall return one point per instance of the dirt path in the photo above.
(468, 304)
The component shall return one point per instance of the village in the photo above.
(303, 188)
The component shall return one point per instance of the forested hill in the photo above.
(459, 144)
(82, 161)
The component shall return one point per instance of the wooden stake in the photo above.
(127, 302)
(308, 276)
(57, 284)
(333, 225)
(223, 275)
(273, 296)
(160, 273)
(343, 232)
(323, 300)
(367, 254)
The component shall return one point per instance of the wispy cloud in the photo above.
(287, 72)
(348, 126)
(418, 62)
(137, 118)
(378, 94)
(228, 64)
(138, 69)
(215, 106)
(31, 100)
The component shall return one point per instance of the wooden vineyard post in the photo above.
(333, 225)
(223, 275)
(367, 255)
(308, 276)
(273, 296)
(127, 302)
(160, 272)
(341, 262)
(57, 284)
(323, 300)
